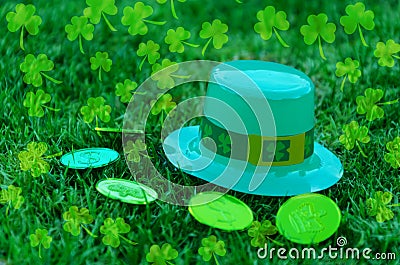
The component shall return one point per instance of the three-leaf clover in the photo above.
(163, 74)
(124, 90)
(100, 62)
(133, 150)
(260, 232)
(176, 40)
(135, 18)
(357, 17)
(34, 68)
(76, 218)
(150, 51)
(78, 29)
(32, 159)
(23, 18)
(215, 32)
(96, 109)
(12, 196)
(348, 69)
(393, 157)
(385, 53)
(40, 238)
(161, 256)
(211, 247)
(318, 28)
(367, 104)
(98, 9)
(172, 6)
(270, 21)
(112, 231)
(353, 134)
(377, 206)
(225, 143)
(35, 103)
(164, 103)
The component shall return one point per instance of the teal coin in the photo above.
(89, 158)
(308, 218)
(126, 191)
(220, 211)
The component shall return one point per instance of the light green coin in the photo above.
(220, 211)
(89, 158)
(126, 191)
(308, 218)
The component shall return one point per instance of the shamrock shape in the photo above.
(100, 62)
(317, 28)
(385, 53)
(377, 206)
(368, 104)
(393, 157)
(162, 73)
(172, 6)
(161, 256)
(357, 17)
(23, 18)
(124, 90)
(33, 67)
(150, 51)
(211, 247)
(354, 134)
(225, 142)
(35, 103)
(40, 238)
(135, 18)
(32, 159)
(112, 231)
(260, 232)
(98, 9)
(270, 21)
(348, 69)
(176, 40)
(12, 196)
(133, 150)
(164, 103)
(76, 218)
(78, 29)
(215, 32)
(96, 108)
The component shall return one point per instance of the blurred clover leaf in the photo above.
(261, 231)
(348, 69)
(40, 238)
(35, 103)
(135, 18)
(78, 29)
(357, 17)
(211, 247)
(377, 206)
(163, 74)
(161, 256)
(112, 231)
(163, 104)
(124, 90)
(23, 18)
(176, 40)
(133, 150)
(32, 159)
(225, 143)
(318, 28)
(270, 21)
(12, 197)
(385, 53)
(172, 6)
(150, 52)
(34, 68)
(367, 104)
(96, 109)
(98, 9)
(393, 157)
(215, 32)
(75, 219)
(100, 62)
(353, 134)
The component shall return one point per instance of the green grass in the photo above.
(49, 196)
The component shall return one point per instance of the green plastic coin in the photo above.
(220, 211)
(126, 191)
(89, 157)
(308, 218)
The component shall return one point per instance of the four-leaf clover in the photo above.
(112, 231)
(32, 159)
(150, 51)
(78, 29)
(393, 157)
(100, 62)
(225, 143)
(12, 196)
(161, 256)
(348, 69)
(124, 90)
(260, 232)
(96, 108)
(385, 52)
(76, 218)
(35, 103)
(40, 238)
(172, 6)
(367, 104)
(98, 8)
(353, 134)
(377, 206)
(215, 32)
(133, 150)
(211, 247)
(163, 74)
(34, 68)
(176, 40)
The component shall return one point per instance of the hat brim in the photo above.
(320, 171)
